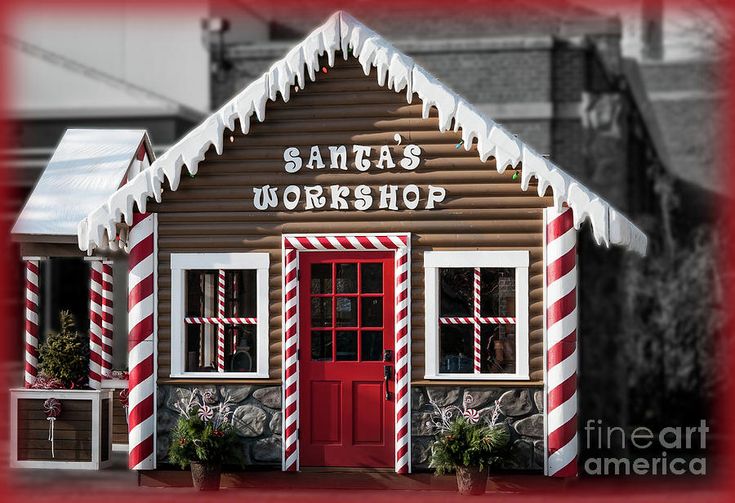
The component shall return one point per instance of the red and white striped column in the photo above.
(402, 392)
(141, 342)
(95, 324)
(221, 326)
(107, 319)
(476, 322)
(290, 360)
(32, 293)
(561, 343)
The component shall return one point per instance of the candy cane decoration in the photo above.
(31, 322)
(141, 323)
(561, 343)
(292, 245)
(107, 319)
(95, 324)
(476, 311)
(220, 326)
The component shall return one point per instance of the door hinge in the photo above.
(298, 274)
(298, 354)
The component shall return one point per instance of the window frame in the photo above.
(182, 262)
(435, 260)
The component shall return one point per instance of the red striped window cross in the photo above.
(221, 320)
(476, 320)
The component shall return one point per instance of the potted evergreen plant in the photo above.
(205, 439)
(468, 446)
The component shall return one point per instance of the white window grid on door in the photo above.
(220, 262)
(476, 260)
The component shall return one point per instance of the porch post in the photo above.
(95, 323)
(560, 301)
(31, 320)
(141, 342)
(107, 319)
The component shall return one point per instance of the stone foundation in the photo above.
(520, 408)
(257, 418)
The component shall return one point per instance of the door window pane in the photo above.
(346, 345)
(372, 311)
(346, 311)
(456, 291)
(321, 278)
(321, 311)
(321, 345)
(498, 349)
(497, 292)
(456, 348)
(346, 278)
(371, 346)
(371, 277)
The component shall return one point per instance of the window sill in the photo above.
(477, 377)
(216, 376)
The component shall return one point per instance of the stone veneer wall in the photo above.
(257, 413)
(521, 408)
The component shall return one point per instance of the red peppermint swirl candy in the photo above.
(52, 407)
(124, 397)
(471, 415)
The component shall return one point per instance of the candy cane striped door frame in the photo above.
(293, 245)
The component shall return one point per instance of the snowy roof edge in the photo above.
(396, 71)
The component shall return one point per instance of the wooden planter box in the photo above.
(82, 432)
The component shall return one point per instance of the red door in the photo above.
(346, 352)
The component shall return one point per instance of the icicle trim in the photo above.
(398, 72)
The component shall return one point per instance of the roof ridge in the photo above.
(396, 71)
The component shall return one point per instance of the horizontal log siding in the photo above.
(72, 431)
(214, 211)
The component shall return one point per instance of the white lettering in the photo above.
(388, 197)
(265, 197)
(315, 156)
(338, 157)
(363, 198)
(339, 193)
(411, 197)
(436, 195)
(314, 197)
(362, 151)
(293, 161)
(411, 157)
(385, 158)
(291, 202)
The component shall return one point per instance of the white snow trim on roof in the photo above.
(398, 72)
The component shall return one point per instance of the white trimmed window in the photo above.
(476, 315)
(219, 315)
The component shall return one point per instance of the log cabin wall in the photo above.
(214, 211)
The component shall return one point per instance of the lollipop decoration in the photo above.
(206, 413)
(52, 408)
(124, 401)
(471, 415)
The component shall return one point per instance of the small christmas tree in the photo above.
(65, 354)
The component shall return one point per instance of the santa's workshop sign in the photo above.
(340, 197)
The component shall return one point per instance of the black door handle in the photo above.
(387, 372)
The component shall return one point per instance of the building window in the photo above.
(476, 315)
(219, 315)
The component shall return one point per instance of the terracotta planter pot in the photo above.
(471, 480)
(206, 477)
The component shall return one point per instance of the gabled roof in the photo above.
(395, 71)
(86, 168)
